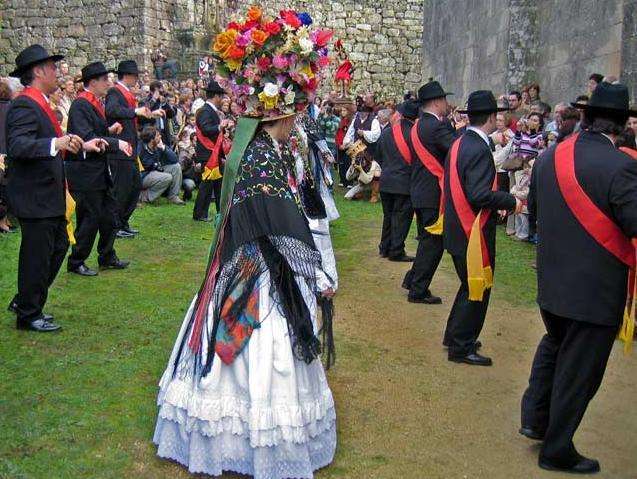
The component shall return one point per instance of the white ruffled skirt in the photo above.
(267, 414)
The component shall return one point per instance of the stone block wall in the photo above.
(383, 39)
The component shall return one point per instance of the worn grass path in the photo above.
(81, 404)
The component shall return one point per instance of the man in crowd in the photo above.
(553, 126)
(162, 171)
(208, 152)
(35, 150)
(89, 176)
(162, 111)
(430, 140)
(121, 107)
(364, 126)
(471, 196)
(586, 206)
(516, 109)
(395, 158)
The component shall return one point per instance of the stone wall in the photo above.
(383, 38)
(504, 44)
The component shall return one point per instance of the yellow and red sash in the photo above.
(434, 167)
(479, 270)
(38, 97)
(94, 101)
(401, 144)
(211, 169)
(602, 229)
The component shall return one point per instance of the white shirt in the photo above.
(482, 134)
(371, 136)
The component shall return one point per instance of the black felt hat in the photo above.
(214, 87)
(430, 91)
(127, 67)
(409, 109)
(482, 102)
(94, 70)
(608, 97)
(31, 56)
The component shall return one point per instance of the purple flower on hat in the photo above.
(305, 18)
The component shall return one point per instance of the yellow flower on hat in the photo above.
(233, 65)
(269, 96)
(307, 70)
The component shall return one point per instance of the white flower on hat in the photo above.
(289, 97)
(306, 46)
(271, 89)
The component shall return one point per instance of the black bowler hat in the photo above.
(31, 56)
(214, 88)
(608, 98)
(409, 109)
(482, 102)
(127, 67)
(430, 91)
(94, 70)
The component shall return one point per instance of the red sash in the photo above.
(94, 101)
(481, 276)
(629, 151)
(601, 228)
(211, 168)
(130, 99)
(401, 144)
(38, 97)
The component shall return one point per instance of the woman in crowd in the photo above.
(343, 161)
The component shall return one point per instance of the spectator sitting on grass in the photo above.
(162, 171)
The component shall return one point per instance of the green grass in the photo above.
(81, 404)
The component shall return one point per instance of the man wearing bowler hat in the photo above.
(208, 152)
(430, 140)
(396, 159)
(121, 107)
(36, 190)
(89, 175)
(472, 202)
(586, 206)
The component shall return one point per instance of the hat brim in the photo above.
(603, 109)
(422, 100)
(17, 73)
(119, 72)
(482, 112)
(95, 75)
(266, 119)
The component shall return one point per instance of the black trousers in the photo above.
(343, 164)
(466, 317)
(397, 216)
(207, 188)
(95, 211)
(428, 256)
(567, 370)
(42, 250)
(127, 187)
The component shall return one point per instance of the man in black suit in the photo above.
(89, 175)
(395, 158)
(434, 135)
(585, 194)
(36, 184)
(470, 191)
(209, 123)
(122, 108)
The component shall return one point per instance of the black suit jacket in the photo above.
(88, 173)
(476, 172)
(35, 179)
(208, 121)
(117, 110)
(396, 172)
(578, 278)
(437, 136)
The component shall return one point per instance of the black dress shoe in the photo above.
(130, 230)
(83, 270)
(117, 264)
(41, 325)
(205, 220)
(474, 359)
(123, 234)
(402, 259)
(532, 433)
(581, 465)
(429, 299)
(13, 307)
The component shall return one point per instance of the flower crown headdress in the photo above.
(272, 66)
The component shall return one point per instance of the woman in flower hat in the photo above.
(245, 390)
